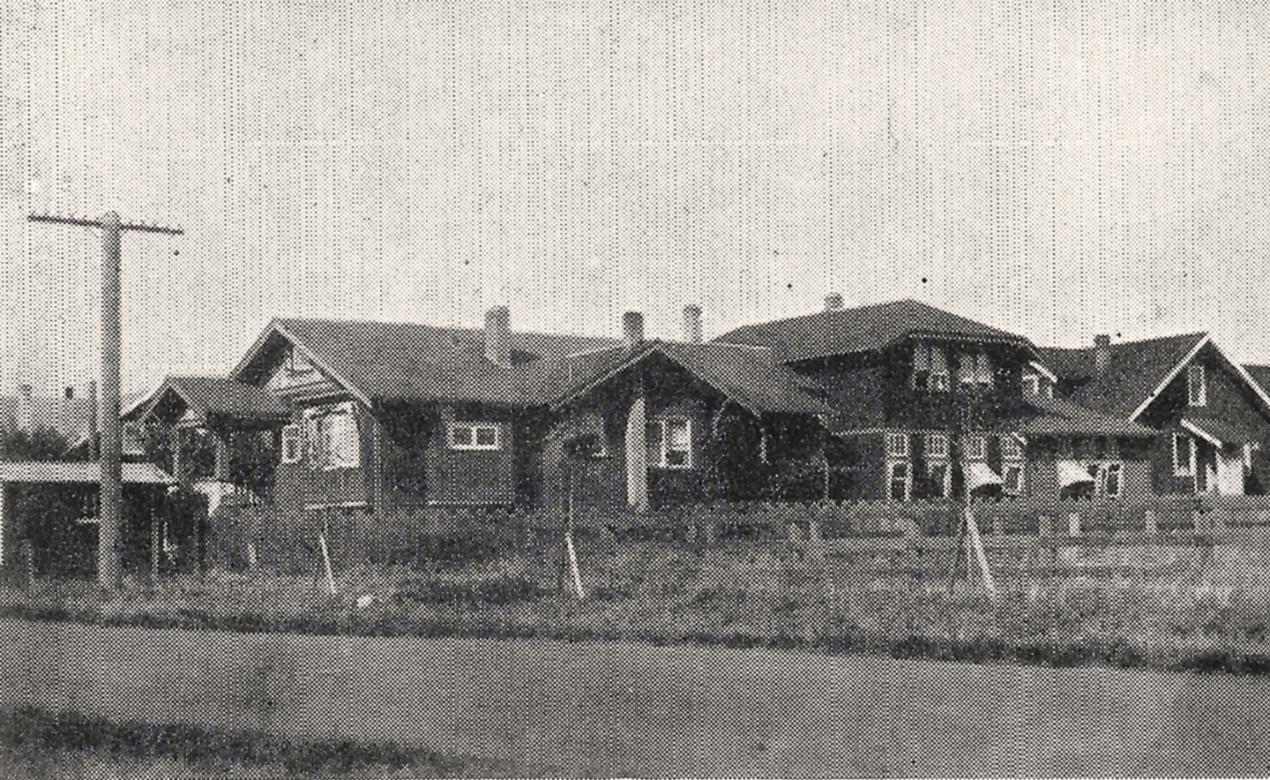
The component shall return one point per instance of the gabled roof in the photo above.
(1138, 372)
(749, 376)
(1261, 374)
(412, 361)
(215, 395)
(864, 329)
(1060, 417)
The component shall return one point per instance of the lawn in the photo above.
(1174, 608)
(38, 743)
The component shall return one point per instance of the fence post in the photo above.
(1073, 524)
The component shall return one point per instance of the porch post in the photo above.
(222, 455)
(637, 451)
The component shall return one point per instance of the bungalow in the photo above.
(378, 415)
(1209, 417)
(916, 390)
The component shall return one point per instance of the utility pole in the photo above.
(111, 456)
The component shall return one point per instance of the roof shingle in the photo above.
(1136, 369)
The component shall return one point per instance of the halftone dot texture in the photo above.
(1053, 170)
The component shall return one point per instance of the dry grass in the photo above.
(1168, 608)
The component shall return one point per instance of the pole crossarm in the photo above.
(140, 227)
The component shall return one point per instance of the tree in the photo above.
(42, 444)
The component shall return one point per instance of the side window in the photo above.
(669, 443)
(901, 481)
(1196, 385)
(292, 443)
(1183, 455)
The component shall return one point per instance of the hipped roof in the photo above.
(864, 329)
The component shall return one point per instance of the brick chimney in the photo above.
(632, 329)
(498, 340)
(1102, 353)
(833, 301)
(692, 323)
(24, 408)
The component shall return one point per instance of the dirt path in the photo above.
(606, 708)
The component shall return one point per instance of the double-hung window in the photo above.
(1011, 448)
(937, 446)
(1183, 455)
(1196, 385)
(669, 441)
(975, 369)
(474, 436)
(292, 443)
(1111, 479)
(975, 447)
(930, 368)
(897, 445)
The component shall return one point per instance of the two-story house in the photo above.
(931, 405)
(1210, 417)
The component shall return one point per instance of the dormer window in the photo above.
(930, 368)
(1196, 386)
(975, 369)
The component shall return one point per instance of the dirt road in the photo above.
(615, 708)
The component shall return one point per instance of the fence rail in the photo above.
(289, 539)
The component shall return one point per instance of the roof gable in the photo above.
(863, 329)
(213, 395)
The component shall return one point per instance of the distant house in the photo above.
(1210, 417)
(66, 415)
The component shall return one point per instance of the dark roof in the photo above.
(215, 395)
(1259, 373)
(1136, 369)
(748, 375)
(863, 329)
(402, 360)
(1060, 417)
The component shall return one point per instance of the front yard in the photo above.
(1176, 608)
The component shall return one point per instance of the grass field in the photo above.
(1174, 608)
(38, 743)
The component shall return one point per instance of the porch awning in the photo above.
(1217, 432)
(1072, 473)
(979, 474)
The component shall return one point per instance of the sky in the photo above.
(1059, 169)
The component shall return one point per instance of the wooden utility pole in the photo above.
(111, 456)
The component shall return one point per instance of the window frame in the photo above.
(1104, 474)
(1016, 465)
(1015, 452)
(931, 454)
(1192, 397)
(945, 485)
(1187, 469)
(1034, 380)
(901, 453)
(293, 433)
(978, 438)
(662, 422)
(473, 427)
(891, 465)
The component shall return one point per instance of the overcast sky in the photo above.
(1056, 168)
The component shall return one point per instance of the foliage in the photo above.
(42, 444)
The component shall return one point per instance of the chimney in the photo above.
(24, 408)
(692, 323)
(68, 421)
(1102, 353)
(833, 301)
(632, 329)
(498, 346)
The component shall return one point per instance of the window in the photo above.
(940, 479)
(292, 444)
(975, 368)
(937, 446)
(1196, 386)
(333, 439)
(1011, 449)
(976, 448)
(1111, 474)
(1183, 455)
(1012, 478)
(669, 442)
(901, 481)
(1031, 384)
(474, 436)
(930, 368)
(298, 363)
(897, 445)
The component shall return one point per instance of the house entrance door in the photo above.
(1230, 472)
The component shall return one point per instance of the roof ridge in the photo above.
(438, 328)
